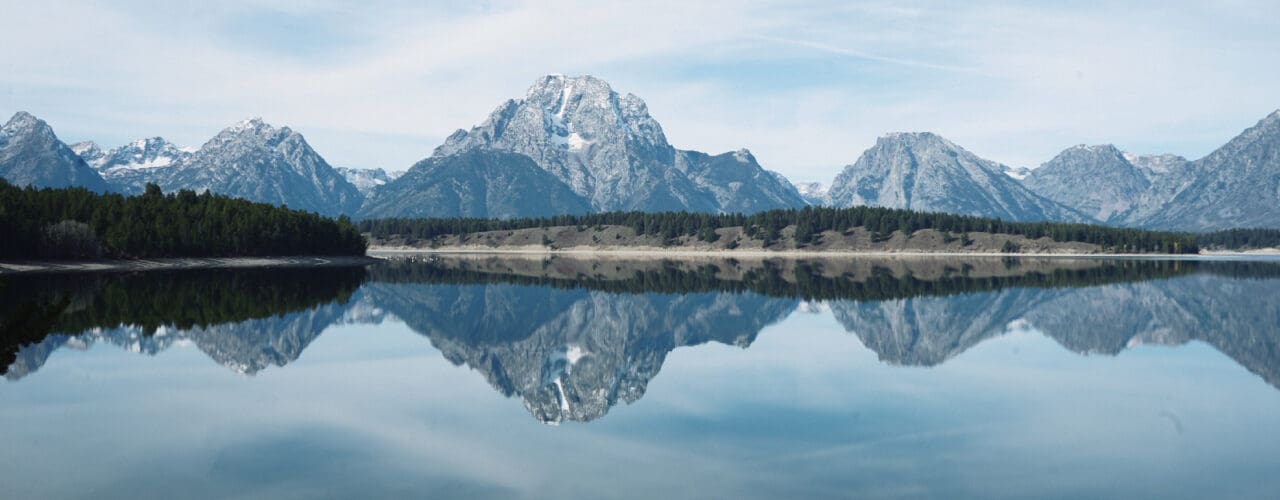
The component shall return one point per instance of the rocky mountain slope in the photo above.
(737, 182)
(1237, 185)
(922, 171)
(1099, 181)
(131, 166)
(259, 162)
(30, 154)
(251, 160)
(474, 183)
(814, 193)
(609, 150)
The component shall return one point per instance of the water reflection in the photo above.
(573, 337)
(246, 319)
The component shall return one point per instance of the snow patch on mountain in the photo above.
(815, 193)
(1019, 173)
(607, 149)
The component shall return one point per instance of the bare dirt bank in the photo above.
(602, 241)
(733, 241)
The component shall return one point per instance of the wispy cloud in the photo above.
(805, 85)
(859, 54)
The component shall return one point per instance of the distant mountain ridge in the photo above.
(131, 166)
(922, 171)
(1237, 185)
(1099, 181)
(367, 179)
(815, 193)
(250, 159)
(476, 183)
(607, 150)
(257, 161)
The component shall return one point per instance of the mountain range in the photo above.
(922, 171)
(573, 145)
(610, 152)
(30, 154)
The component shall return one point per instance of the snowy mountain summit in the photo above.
(257, 161)
(153, 152)
(816, 193)
(31, 154)
(368, 179)
(609, 150)
(250, 159)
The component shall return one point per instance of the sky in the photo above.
(806, 86)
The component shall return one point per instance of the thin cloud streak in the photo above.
(805, 86)
(871, 57)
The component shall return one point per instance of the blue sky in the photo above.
(807, 86)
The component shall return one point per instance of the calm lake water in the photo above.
(485, 377)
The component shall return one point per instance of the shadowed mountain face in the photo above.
(477, 183)
(30, 154)
(573, 337)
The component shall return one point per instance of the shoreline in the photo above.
(377, 254)
(754, 253)
(175, 264)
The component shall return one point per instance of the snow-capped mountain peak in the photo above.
(255, 160)
(815, 193)
(149, 153)
(1019, 173)
(368, 179)
(608, 149)
(90, 152)
(31, 154)
(250, 123)
(24, 122)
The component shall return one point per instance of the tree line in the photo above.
(809, 223)
(33, 307)
(76, 223)
(1239, 239)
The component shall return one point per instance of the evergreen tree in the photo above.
(73, 222)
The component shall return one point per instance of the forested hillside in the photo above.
(74, 223)
(1240, 239)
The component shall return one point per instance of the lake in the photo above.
(531, 377)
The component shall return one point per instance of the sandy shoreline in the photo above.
(31, 267)
(677, 252)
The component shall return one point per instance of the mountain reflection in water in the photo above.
(573, 337)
